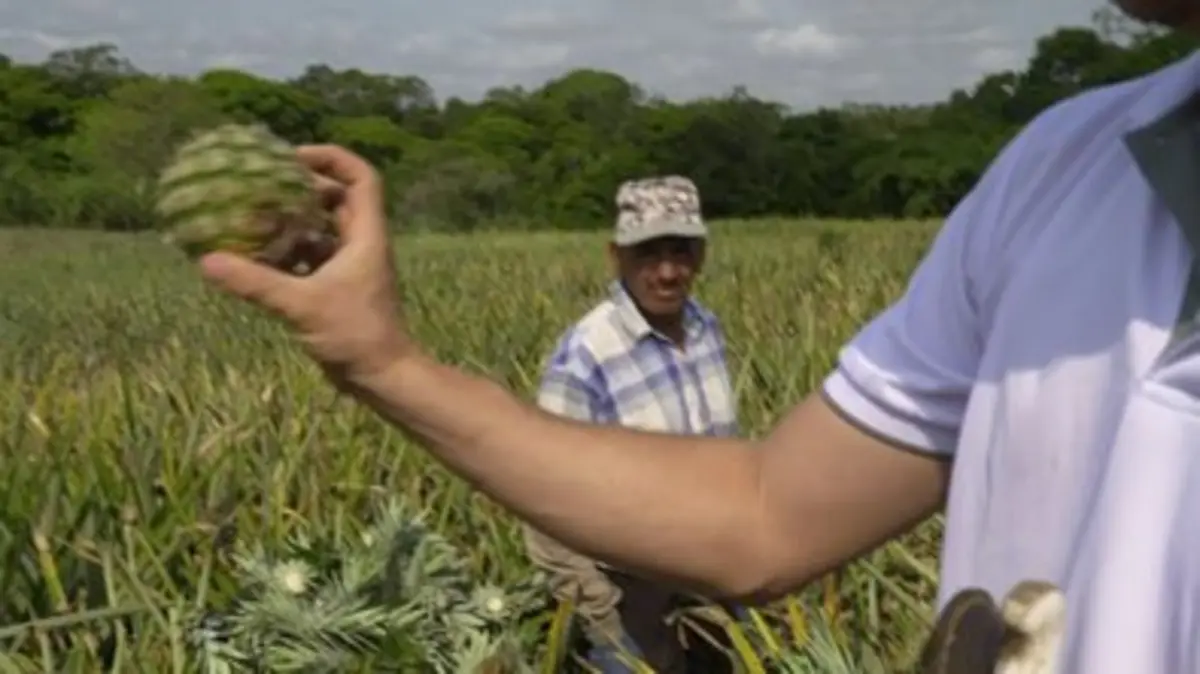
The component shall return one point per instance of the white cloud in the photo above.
(38, 39)
(864, 83)
(976, 35)
(749, 9)
(236, 60)
(686, 65)
(802, 41)
(421, 44)
(736, 13)
(804, 52)
(993, 59)
(543, 23)
(541, 20)
(518, 58)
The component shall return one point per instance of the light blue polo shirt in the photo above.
(1046, 344)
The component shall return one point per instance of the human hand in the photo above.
(346, 313)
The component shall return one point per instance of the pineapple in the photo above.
(241, 189)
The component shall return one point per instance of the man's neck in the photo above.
(670, 326)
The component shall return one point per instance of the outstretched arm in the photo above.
(726, 516)
(722, 515)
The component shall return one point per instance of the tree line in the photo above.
(83, 134)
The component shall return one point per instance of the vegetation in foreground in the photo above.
(179, 479)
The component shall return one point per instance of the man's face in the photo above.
(1183, 14)
(659, 273)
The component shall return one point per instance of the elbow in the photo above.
(756, 585)
(750, 591)
(763, 571)
(767, 563)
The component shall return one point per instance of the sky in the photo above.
(804, 53)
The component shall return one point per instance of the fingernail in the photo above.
(214, 265)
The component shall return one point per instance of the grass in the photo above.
(142, 418)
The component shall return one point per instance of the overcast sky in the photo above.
(801, 52)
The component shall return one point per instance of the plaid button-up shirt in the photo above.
(613, 368)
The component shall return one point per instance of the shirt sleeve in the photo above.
(735, 425)
(907, 375)
(569, 387)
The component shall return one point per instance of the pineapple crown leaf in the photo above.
(396, 597)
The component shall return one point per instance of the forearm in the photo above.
(689, 509)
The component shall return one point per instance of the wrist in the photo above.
(379, 372)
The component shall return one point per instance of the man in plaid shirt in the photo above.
(648, 357)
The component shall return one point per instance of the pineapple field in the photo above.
(184, 492)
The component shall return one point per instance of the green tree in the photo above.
(87, 122)
(124, 141)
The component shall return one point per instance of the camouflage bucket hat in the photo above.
(650, 208)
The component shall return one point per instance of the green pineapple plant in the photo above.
(240, 188)
(396, 598)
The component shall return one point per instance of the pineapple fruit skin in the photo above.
(239, 188)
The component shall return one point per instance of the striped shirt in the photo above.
(612, 367)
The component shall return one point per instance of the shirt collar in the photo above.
(1166, 149)
(1176, 87)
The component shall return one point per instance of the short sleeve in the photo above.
(907, 375)
(734, 428)
(569, 386)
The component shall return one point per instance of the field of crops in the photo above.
(161, 445)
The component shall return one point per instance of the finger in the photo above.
(343, 166)
(363, 191)
(256, 283)
(332, 196)
(332, 193)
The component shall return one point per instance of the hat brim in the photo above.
(659, 231)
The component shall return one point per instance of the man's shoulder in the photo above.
(1103, 115)
(706, 314)
(1058, 152)
(594, 337)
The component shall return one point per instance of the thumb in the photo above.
(250, 281)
